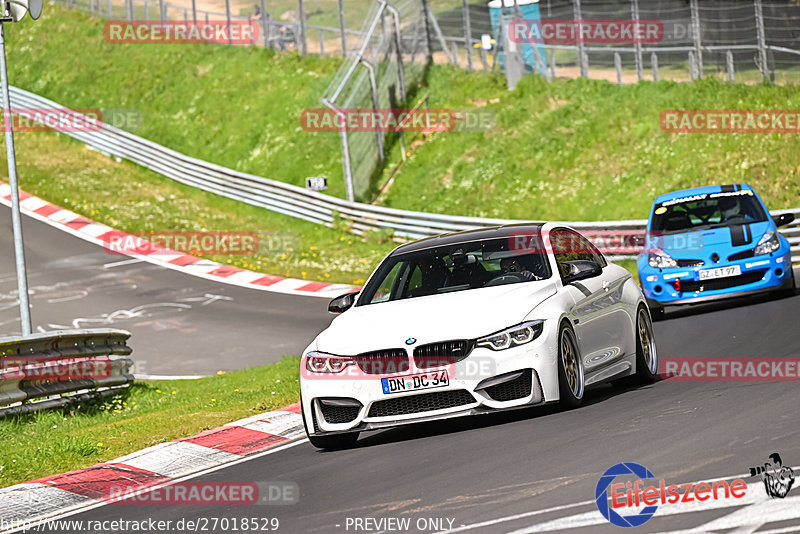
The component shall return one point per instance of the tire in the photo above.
(334, 441)
(571, 380)
(646, 350)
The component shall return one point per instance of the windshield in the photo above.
(452, 268)
(701, 212)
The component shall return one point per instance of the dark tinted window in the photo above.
(701, 212)
(458, 267)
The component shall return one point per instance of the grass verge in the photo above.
(52, 442)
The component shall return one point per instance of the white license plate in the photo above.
(401, 384)
(720, 272)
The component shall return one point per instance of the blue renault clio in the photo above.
(712, 242)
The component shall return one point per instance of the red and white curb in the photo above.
(31, 502)
(99, 234)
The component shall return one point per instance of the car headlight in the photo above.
(660, 259)
(510, 337)
(320, 362)
(768, 243)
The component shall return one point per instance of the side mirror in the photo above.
(783, 219)
(342, 303)
(581, 270)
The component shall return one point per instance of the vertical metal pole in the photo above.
(618, 67)
(194, 11)
(228, 18)
(322, 43)
(373, 86)
(348, 172)
(342, 28)
(264, 26)
(16, 222)
(398, 39)
(110, 14)
(581, 53)
(762, 40)
(484, 60)
(428, 41)
(467, 32)
(691, 65)
(729, 60)
(637, 46)
(161, 10)
(654, 65)
(303, 43)
(146, 11)
(698, 46)
(552, 63)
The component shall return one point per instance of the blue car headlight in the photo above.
(659, 259)
(768, 243)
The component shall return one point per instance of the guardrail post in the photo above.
(467, 32)
(343, 28)
(762, 40)
(654, 65)
(264, 25)
(228, 19)
(637, 46)
(582, 58)
(692, 65)
(698, 45)
(729, 61)
(618, 67)
(303, 42)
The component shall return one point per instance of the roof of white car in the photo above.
(453, 238)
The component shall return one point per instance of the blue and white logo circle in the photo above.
(601, 495)
(411, 341)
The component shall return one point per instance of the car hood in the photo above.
(460, 315)
(702, 242)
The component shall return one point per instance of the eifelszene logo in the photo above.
(635, 495)
(777, 478)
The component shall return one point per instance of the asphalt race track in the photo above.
(529, 471)
(509, 472)
(180, 324)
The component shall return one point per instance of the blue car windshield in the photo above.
(705, 211)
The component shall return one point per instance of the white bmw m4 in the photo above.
(475, 322)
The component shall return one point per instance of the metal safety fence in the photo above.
(60, 368)
(313, 206)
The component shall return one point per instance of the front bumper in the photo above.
(768, 272)
(484, 382)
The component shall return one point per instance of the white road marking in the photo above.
(123, 262)
(143, 491)
(168, 377)
(754, 510)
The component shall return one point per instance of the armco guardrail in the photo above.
(316, 207)
(53, 369)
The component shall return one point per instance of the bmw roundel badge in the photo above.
(411, 341)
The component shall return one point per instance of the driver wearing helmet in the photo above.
(513, 265)
(731, 209)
